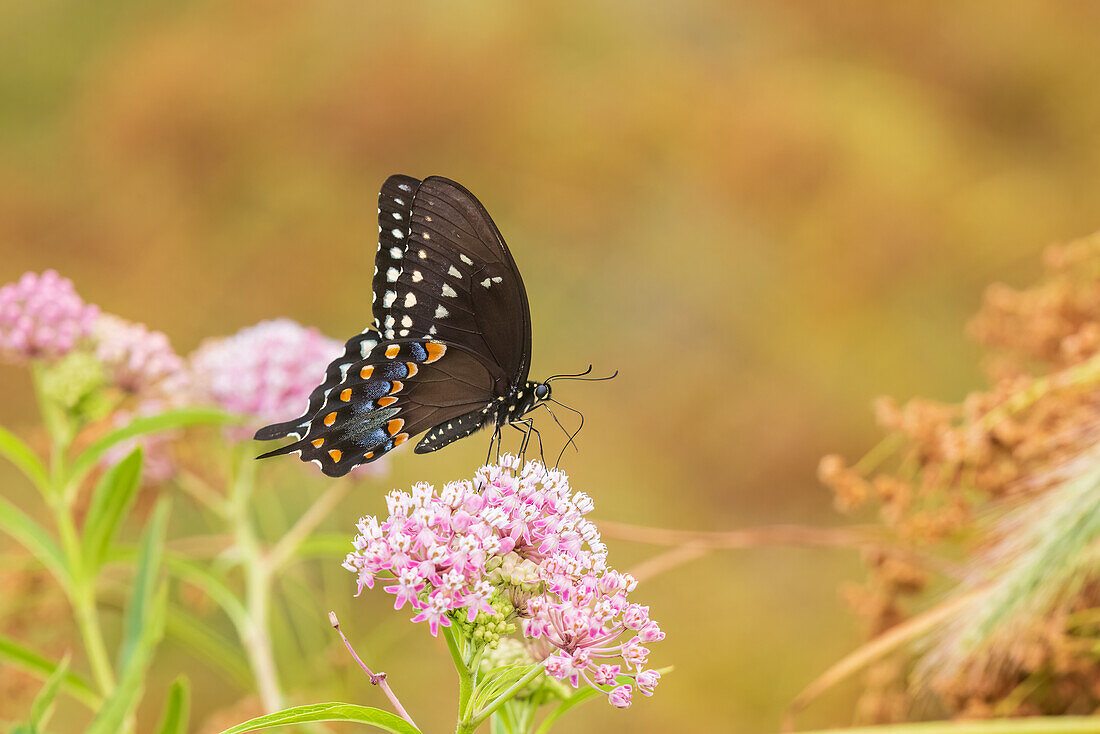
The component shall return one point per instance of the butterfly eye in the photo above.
(542, 391)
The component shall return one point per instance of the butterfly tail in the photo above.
(281, 430)
(290, 448)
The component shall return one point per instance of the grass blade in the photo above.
(1033, 725)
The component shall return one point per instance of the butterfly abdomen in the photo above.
(457, 428)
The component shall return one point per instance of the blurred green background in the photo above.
(763, 214)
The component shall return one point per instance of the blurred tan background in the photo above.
(763, 214)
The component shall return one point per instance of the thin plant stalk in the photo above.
(378, 679)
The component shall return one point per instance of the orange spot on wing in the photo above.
(392, 351)
(335, 454)
(330, 418)
(435, 351)
(366, 372)
(400, 439)
(386, 401)
(413, 369)
(396, 385)
(346, 394)
(394, 426)
(368, 455)
(318, 443)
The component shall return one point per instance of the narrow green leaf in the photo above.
(208, 645)
(166, 421)
(1033, 725)
(211, 585)
(177, 710)
(45, 697)
(118, 707)
(324, 545)
(498, 680)
(113, 496)
(28, 660)
(317, 712)
(23, 457)
(34, 538)
(144, 585)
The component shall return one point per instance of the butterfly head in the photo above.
(542, 391)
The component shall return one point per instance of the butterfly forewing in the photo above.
(456, 281)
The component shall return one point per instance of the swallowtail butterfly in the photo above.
(450, 346)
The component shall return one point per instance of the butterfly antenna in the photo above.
(573, 436)
(580, 377)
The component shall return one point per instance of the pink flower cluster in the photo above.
(517, 533)
(139, 360)
(267, 370)
(42, 317)
(585, 618)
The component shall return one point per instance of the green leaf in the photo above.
(142, 627)
(39, 666)
(113, 496)
(131, 682)
(317, 712)
(498, 680)
(177, 710)
(45, 697)
(194, 574)
(166, 421)
(1033, 725)
(144, 584)
(324, 545)
(23, 457)
(208, 645)
(34, 538)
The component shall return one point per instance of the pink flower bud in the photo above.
(621, 697)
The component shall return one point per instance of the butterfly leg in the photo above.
(494, 439)
(528, 429)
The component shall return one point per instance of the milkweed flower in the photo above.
(266, 371)
(513, 544)
(42, 317)
(139, 360)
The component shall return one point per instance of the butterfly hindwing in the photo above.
(402, 388)
(357, 348)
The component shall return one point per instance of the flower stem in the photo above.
(254, 633)
(535, 671)
(465, 681)
(82, 597)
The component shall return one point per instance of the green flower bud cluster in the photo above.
(72, 379)
(487, 629)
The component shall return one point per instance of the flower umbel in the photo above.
(267, 370)
(139, 360)
(42, 317)
(513, 543)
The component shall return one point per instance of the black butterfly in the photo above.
(450, 346)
